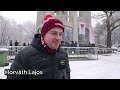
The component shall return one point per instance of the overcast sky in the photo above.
(22, 16)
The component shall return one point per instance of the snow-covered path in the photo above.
(106, 67)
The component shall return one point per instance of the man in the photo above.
(43, 59)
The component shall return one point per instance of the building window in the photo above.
(68, 34)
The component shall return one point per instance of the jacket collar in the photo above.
(36, 42)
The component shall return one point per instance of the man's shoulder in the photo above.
(62, 51)
(28, 51)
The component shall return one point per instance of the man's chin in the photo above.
(55, 47)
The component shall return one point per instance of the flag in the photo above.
(92, 37)
(82, 27)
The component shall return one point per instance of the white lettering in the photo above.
(22, 72)
(59, 24)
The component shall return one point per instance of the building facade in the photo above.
(71, 21)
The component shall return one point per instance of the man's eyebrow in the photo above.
(55, 32)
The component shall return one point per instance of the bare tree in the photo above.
(100, 34)
(23, 32)
(4, 29)
(10, 30)
(111, 22)
(29, 30)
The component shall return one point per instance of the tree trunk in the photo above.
(109, 39)
(108, 33)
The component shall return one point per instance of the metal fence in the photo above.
(12, 51)
(74, 53)
(82, 53)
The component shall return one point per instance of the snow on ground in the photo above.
(2, 76)
(106, 67)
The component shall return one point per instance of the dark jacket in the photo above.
(34, 57)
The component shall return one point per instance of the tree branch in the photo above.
(114, 22)
(111, 13)
(115, 27)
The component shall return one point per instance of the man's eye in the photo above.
(61, 34)
(54, 33)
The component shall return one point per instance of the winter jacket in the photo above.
(34, 58)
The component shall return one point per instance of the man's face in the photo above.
(53, 37)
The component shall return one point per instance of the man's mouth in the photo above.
(56, 43)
